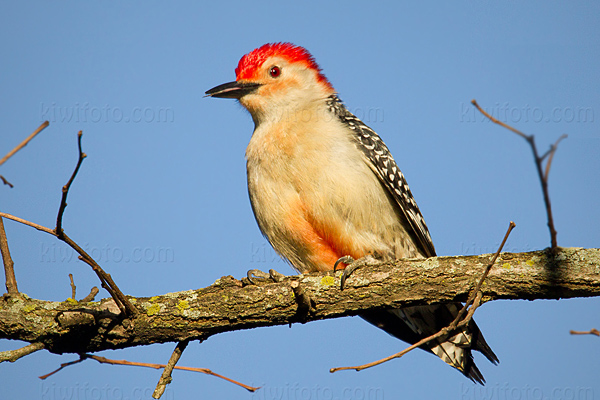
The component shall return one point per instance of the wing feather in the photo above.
(384, 166)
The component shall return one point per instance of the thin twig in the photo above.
(488, 267)
(107, 283)
(63, 365)
(593, 331)
(102, 276)
(474, 301)
(539, 167)
(551, 152)
(73, 287)
(124, 304)
(65, 189)
(91, 296)
(494, 120)
(10, 185)
(106, 280)
(28, 223)
(165, 377)
(14, 355)
(104, 360)
(24, 142)
(9, 270)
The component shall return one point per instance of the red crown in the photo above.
(251, 62)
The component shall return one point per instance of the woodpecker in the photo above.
(324, 186)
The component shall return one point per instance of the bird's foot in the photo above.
(352, 265)
(255, 275)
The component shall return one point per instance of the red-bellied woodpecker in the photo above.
(323, 186)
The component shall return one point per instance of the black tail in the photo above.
(412, 324)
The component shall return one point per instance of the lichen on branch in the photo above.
(230, 304)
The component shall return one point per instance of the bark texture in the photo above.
(230, 304)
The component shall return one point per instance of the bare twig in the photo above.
(28, 223)
(551, 152)
(107, 283)
(24, 142)
(473, 301)
(73, 287)
(104, 360)
(63, 365)
(166, 378)
(106, 280)
(10, 185)
(9, 270)
(65, 189)
(488, 267)
(91, 296)
(593, 331)
(14, 355)
(540, 169)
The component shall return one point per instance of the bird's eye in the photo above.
(275, 72)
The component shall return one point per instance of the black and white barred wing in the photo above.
(383, 165)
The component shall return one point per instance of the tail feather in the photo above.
(412, 324)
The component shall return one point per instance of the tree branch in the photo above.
(14, 355)
(229, 305)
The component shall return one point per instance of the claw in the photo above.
(352, 265)
(276, 276)
(350, 262)
(258, 274)
(346, 260)
(348, 271)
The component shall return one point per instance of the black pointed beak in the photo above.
(233, 90)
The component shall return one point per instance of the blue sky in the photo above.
(161, 200)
